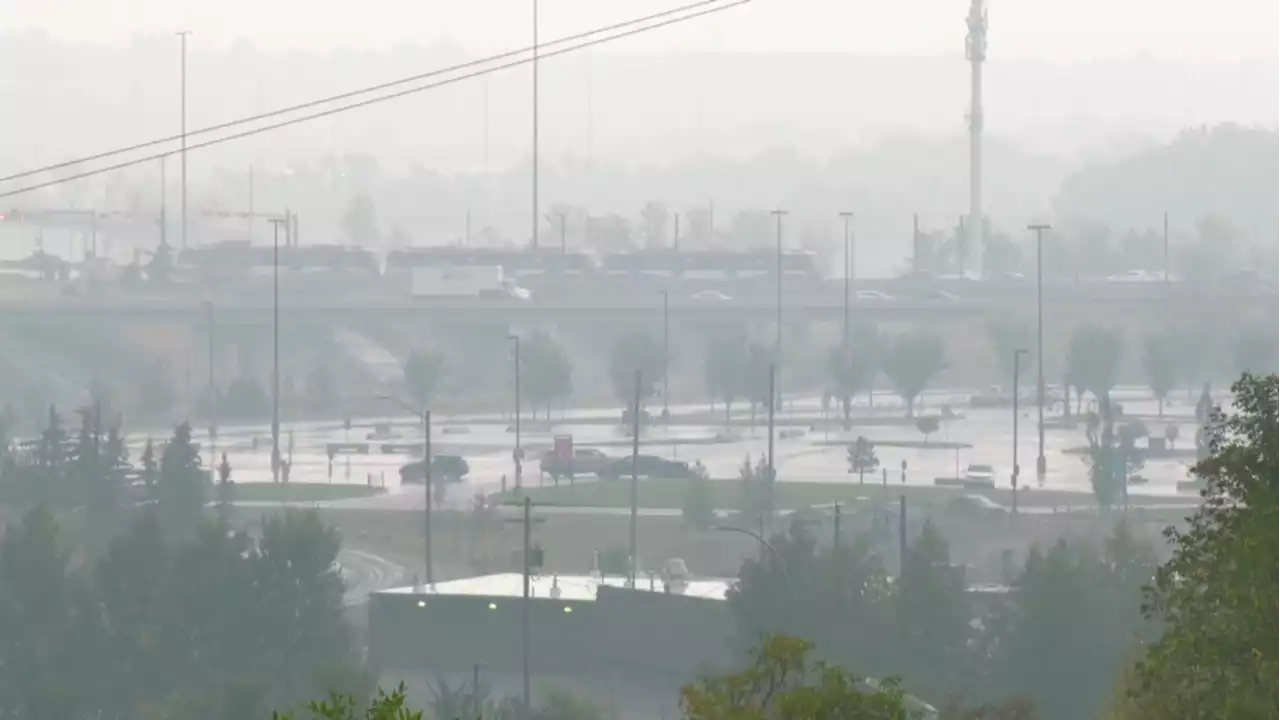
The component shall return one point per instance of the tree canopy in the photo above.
(912, 360)
(1217, 595)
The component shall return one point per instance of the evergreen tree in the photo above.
(180, 490)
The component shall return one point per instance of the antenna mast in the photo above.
(975, 51)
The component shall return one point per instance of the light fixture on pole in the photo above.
(1017, 358)
(517, 455)
(1039, 229)
(844, 332)
(424, 416)
(666, 354)
(275, 343)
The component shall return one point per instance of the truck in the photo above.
(475, 281)
(567, 461)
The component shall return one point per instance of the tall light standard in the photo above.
(424, 415)
(778, 214)
(213, 388)
(1017, 358)
(844, 336)
(275, 343)
(773, 474)
(517, 455)
(666, 352)
(1039, 230)
(1165, 238)
(534, 236)
(782, 566)
(182, 40)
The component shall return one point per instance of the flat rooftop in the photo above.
(580, 588)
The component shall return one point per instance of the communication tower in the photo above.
(975, 51)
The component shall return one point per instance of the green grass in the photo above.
(300, 492)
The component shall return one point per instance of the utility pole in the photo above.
(675, 236)
(844, 330)
(426, 491)
(182, 40)
(535, 129)
(524, 614)
(564, 233)
(1017, 357)
(635, 479)
(275, 345)
(1039, 230)
(666, 353)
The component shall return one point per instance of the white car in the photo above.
(710, 296)
(978, 475)
(871, 295)
(1135, 276)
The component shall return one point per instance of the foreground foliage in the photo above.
(1217, 595)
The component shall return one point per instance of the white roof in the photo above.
(570, 587)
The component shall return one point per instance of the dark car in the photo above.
(447, 468)
(650, 466)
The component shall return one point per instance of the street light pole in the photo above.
(772, 403)
(1165, 236)
(518, 453)
(213, 390)
(779, 214)
(424, 416)
(1040, 462)
(182, 40)
(635, 478)
(1017, 357)
(844, 333)
(782, 566)
(426, 491)
(666, 352)
(524, 614)
(275, 346)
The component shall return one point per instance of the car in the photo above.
(871, 295)
(447, 468)
(940, 295)
(975, 505)
(1134, 276)
(979, 476)
(650, 466)
(710, 296)
(585, 461)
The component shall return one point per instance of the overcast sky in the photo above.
(1059, 30)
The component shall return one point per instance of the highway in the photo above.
(254, 307)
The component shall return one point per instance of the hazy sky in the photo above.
(1224, 30)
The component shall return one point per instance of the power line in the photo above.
(376, 88)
